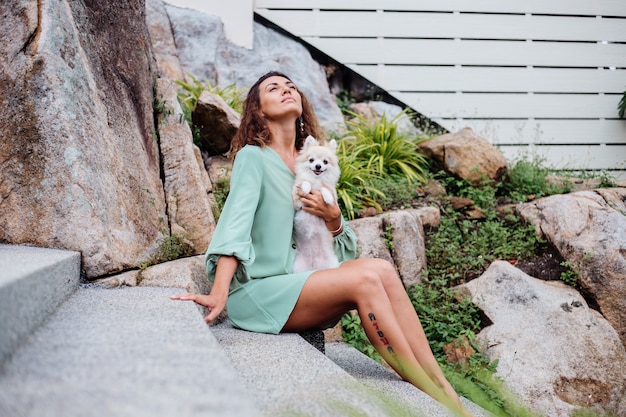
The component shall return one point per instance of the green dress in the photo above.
(256, 226)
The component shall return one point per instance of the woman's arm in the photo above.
(216, 300)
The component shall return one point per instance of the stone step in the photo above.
(123, 352)
(132, 351)
(33, 283)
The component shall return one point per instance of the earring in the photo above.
(301, 125)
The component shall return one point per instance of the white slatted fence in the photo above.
(539, 78)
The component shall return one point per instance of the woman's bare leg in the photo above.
(410, 323)
(357, 284)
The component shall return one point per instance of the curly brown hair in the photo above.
(253, 128)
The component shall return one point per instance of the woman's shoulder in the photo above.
(250, 150)
(252, 154)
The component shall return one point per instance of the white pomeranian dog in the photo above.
(316, 169)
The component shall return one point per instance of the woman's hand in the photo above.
(314, 203)
(214, 303)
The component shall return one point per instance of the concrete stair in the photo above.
(80, 350)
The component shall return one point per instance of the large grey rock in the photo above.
(466, 155)
(588, 228)
(553, 350)
(408, 249)
(79, 165)
(188, 203)
(207, 54)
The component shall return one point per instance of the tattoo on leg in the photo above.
(385, 342)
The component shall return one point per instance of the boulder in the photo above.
(588, 228)
(207, 54)
(397, 236)
(186, 182)
(216, 121)
(79, 162)
(553, 350)
(407, 245)
(467, 156)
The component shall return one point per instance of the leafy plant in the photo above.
(344, 100)
(170, 247)
(355, 188)
(530, 179)
(399, 192)
(570, 275)
(443, 317)
(221, 189)
(388, 150)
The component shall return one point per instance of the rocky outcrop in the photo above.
(467, 156)
(79, 163)
(207, 54)
(407, 245)
(165, 50)
(553, 350)
(187, 187)
(588, 228)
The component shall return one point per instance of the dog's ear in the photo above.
(333, 145)
(310, 141)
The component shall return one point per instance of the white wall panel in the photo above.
(498, 106)
(541, 75)
(548, 132)
(493, 79)
(470, 52)
(563, 7)
(596, 157)
(446, 25)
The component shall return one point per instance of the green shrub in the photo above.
(355, 188)
(221, 189)
(388, 150)
(170, 247)
(530, 178)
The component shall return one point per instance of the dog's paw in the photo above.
(328, 196)
(305, 187)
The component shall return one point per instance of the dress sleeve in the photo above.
(232, 235)
(345, 243)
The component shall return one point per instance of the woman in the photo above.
(251, 253)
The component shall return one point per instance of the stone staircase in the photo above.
(68, 350)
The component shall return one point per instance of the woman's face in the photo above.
(279, 98)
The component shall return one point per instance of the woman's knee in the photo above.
(385, 272)
(375, 274)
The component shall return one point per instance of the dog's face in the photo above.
(318, 159)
